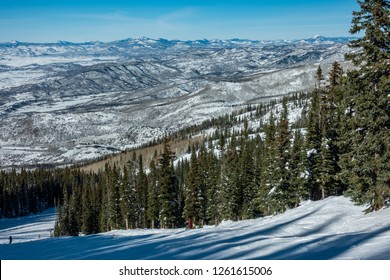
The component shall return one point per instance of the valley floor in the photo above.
(330, 229)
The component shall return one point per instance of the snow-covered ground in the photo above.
(330, 229)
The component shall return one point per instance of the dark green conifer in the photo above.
(153, 208)
(283, 196)
(141, 192)
(297, 167)
(168, 186)
(247, 176)
(366, 103)
(115, 217)
(205, 182)
(319, 76)
(128, 196)
(335, 75)
(268, 180)
(313, 145)
(87, 213)
(213, 192)
(231, 187)
(191, 203)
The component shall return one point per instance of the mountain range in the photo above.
(66, 102)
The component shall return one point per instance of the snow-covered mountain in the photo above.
(128, 46)
(66, 102)
(330, 229)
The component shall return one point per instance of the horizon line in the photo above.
(179, 40)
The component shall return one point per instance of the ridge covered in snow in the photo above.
(64, 103)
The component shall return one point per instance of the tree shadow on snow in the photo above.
(276, 240)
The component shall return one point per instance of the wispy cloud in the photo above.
(179, 14)
(112, 16)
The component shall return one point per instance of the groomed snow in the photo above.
(330, 229)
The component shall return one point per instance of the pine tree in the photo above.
(57, 225)
(168, 186)
(213, 191)
(313, 145)
(297, 166)
(153, 208)
(371, 50)
(268, 179)
(128, 196)
(330, 150)
(115, 217)
(335, 75)
(104, 211)
(181, 171)
(204, 183)
(247, 175)
(88, 213)
(74, 227)
(259, 158)
(141, 194)
(96, 207)
(283, 195)
(191, 206)
(319, 76)
(231, 188)
(366, 105)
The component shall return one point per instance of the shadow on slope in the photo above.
(305, 236)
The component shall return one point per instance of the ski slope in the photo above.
(330, 229)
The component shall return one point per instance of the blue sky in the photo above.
(82, 20)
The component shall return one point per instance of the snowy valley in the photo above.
(65, 103)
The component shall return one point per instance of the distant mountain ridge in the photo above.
(67, 102)
(168, 43)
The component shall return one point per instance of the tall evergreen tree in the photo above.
(230, 185)
(213, 191)
(115, 217)
(297, 166)
(57, 225)
(87, 213)
(268, 180)
(204, 183)
(259, 158)
(168, 186)
(330, 150)
(313, 145)
(141, 194)
(366, 105)
(283, 195)
(191, 209)
(335, 75)
(247, 176)
(104, 211)
(127, 196)
(153, 208)
(74, 225)
(319, 76)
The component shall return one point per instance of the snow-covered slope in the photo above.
(330, 229)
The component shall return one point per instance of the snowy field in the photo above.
(330, 229)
